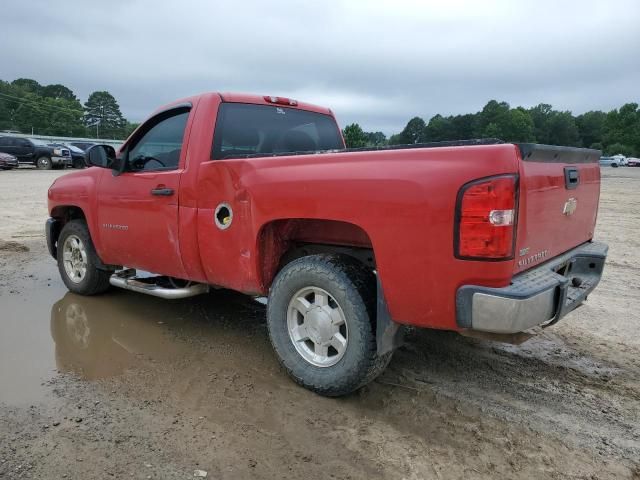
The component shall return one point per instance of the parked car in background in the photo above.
(35, 152)
(7, 162)
(610, 162)
(621, 159)
(633, 162)
(77, 154)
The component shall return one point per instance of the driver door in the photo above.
(138, 209)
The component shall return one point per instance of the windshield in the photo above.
(73, 149)
(35, 141)
(246, 129)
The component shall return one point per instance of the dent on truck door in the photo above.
(138, 209)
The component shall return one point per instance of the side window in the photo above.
(21, 142)
(5, 142)
(159, 147)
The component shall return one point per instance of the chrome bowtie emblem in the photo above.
(570, 206)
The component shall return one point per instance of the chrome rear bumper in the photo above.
(538, 297)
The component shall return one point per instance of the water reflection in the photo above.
(101, 336)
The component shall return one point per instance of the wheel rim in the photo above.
(317, 327)
(74, 258)
(44, 162)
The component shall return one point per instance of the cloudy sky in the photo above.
(372, 61)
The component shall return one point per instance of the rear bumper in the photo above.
(538, 297)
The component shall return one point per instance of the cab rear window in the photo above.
(245, 129)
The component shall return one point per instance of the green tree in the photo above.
(591, 127)
(464, 126)
(375, 139)
(101, 108)
(491, 118)
(540, 115)
(623, 127)
(517, 126)
(563, 129)
(354, 136)
(28, 85)
(619, 148)
(499, 120)
(27, 112)
(395, 139)
(414, 132)
(58, 91)
(439, 129)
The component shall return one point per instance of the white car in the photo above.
(610, 161)
(622, 159)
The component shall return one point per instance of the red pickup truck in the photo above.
(259, 195)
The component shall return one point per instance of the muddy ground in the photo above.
(128, 386)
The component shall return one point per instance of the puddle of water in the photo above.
(26, 349)
(102, 336)
(97, 337)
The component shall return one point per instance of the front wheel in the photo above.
(321, 321)
(78, 261)
(44, 163)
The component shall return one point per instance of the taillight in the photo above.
(486, 218)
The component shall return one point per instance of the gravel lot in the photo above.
(129, 386)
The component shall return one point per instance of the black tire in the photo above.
(353, 288)
(44, 163)
(77, 163)
(95, 280)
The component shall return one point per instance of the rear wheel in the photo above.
(44, 163)
(321, 320)
(78, 261)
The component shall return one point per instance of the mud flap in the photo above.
(389, 334)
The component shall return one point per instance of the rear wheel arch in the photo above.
(284, 240)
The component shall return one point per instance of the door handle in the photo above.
(162, 191)
(571, 178)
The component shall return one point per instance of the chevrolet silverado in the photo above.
(258, 194)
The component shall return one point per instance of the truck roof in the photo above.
(234, 97)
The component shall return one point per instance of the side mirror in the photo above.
(103, 156)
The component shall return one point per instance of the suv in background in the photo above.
(35, 152)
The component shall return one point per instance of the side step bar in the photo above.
(126, 281)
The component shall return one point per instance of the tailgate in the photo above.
(558, 202)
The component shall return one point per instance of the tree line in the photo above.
(28, 107)
(613, 132)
